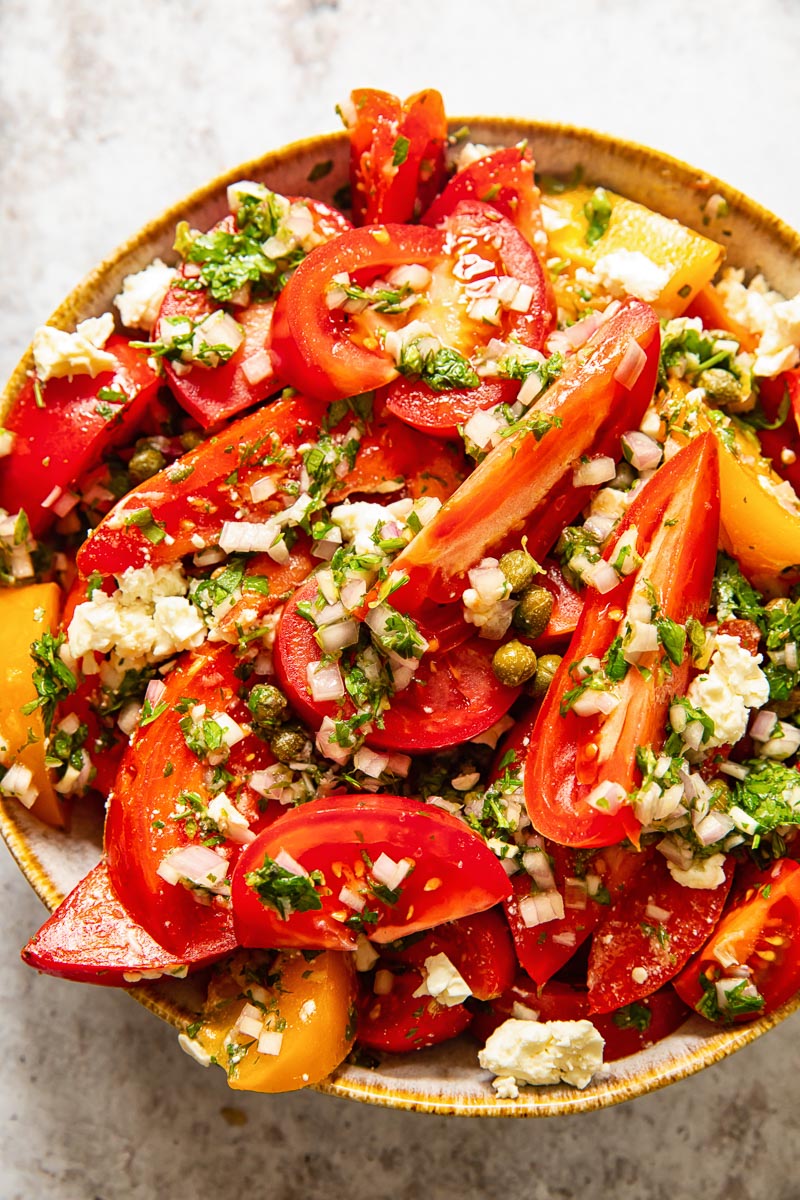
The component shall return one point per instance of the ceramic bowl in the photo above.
(443, 1079)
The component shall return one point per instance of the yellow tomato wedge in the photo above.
(760, 514)
(690, 259)
(304, 1006)
(25, 614)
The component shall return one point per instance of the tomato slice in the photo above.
(312, 346)
(529, 480)
(677, 518)
(504, 179)
(631, 937)
(144, 826)
(624, 1032)
(452, 873)
(567, 607)
(396, 153)
(454, 695)
(213, 394)
(92, 938)
(756, 941)
(55, 444)
(398, 1021)
(488, 247)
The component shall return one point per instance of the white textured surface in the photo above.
(108, 112)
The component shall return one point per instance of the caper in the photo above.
(514, 663)
(723, 387)
(268, 706)
(547, 666)
(146, 461)
(519, 568)
(533, 611)
(191, 439)
(288, 744)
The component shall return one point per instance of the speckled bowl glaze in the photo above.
(444, 1079)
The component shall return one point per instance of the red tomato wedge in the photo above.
(632, 937)
(676, 515)
(91, 938)
(396, 153)
(755, 942)
(567, 607)
(398, 1021)
(55, 444)
(782, 445)
(453, 696)
(157, 773)
(189, 501)
(479, 947)
(624, 1032)
(213, 394)
(504, 179)
(529, 480)
(451, 873)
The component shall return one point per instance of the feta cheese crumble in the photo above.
(733, 683)
(142, 294)
(147, 618)
(56, 353)
(767, 313)
(629, 272)
(703, 874)
(443, 981)
(542, 1052)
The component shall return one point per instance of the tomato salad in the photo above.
(415, 576)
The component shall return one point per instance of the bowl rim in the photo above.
(344, 1082)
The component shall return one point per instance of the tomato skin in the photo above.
(140, 827)
(524, 480)
(383, 190)
(567, 607)
(563, 1002)
(623, 941)
(311, 348)
(569, 755)
(504, 179)
(401, 1022)
(91, 938)
(211, 395)
(329, 834)
(453, 696)
(69, 434)
(194, 496)
(498, 239)
(759, 931)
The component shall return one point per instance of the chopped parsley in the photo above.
(284, 892)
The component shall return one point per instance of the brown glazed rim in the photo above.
(698, 1049)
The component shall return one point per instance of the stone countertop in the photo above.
(108, 112)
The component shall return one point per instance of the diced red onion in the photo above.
(352, 899)
(329, 614)
(256, 367)
(657, 914)
(333, 638)
(327, 744)
(594, 472)
(734, 770)
(602, 577)
(270, 1042)
(631, 365)
(369, 762)
(713, 828)
(693, 735)
(586, 666)
(575, 893)
(262, 489)
(541, 908)
(250, 1021)
(352, 593)
(593, 702)
(790, 649)
(537, 864)
(641, 451)
(155, 690)
(679, 853)
(385, 870)
(607, 797)
(284, 859)
(325, 682)
(762, 725)
(566, 937)
(51, 497)
(200, 865)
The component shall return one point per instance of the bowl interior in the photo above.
(444, 1079)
